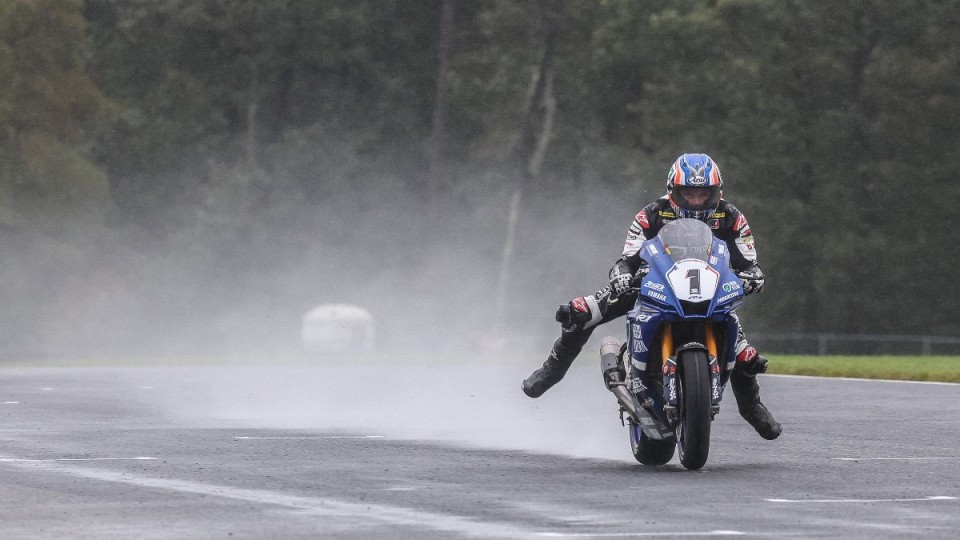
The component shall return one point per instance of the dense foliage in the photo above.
(185, 172)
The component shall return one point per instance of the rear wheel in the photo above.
(649, 451)
(693, 428)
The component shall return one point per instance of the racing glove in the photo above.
(752, 279)
(620, 284)
(622, 280)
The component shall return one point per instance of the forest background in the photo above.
(192, 176)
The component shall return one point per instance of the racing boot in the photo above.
(552, 371)
(747, 391)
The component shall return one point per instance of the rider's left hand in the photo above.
(752, 279)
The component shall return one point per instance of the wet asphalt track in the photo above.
(296, 452)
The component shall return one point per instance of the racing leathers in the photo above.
(583, 314)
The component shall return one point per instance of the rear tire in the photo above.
(693, 428)
(649, 451)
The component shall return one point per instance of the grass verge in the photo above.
(912, 368)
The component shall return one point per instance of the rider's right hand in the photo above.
(620, 284)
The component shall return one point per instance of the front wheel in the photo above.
(649, 451)
(693, 427)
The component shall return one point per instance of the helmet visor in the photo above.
(696, 197)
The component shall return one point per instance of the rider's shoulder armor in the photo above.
(652, 218)
(730, 225)
(728, 222)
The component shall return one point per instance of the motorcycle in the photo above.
(680, 339)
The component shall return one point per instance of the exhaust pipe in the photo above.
(614, 376)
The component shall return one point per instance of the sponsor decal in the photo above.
(580, 305)
(636, 340)
(716, 389)
(714, 261)
(631, 237)
(740, 223)
(666, 214)
(721, 249)
(653, 249)
(657, 296)
(653, 285)
(731, 286)
(714, 223)
(726, 297)
(697, 181)
(672, 396)
(644, 317)
(719, 214)
(602, 293)
(642, 219)
(746, 242)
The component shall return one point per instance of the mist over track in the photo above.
(410, 451)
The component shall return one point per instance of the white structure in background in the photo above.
(338, 328)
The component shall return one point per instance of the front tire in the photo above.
(649, 451)
(693, 428)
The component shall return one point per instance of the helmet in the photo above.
(694, 186)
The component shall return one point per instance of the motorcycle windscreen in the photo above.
(687, 239)
(689, 242)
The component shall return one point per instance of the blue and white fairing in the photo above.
(689, 279)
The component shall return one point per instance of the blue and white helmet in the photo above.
(694, 186)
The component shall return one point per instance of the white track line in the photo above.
(11, 402)
(671, 534)
(931, 458)
(306, 437)
(925, 499)
(855, 379)
(25, 460)
(318, 506)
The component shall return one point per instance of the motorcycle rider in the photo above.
(694, 191)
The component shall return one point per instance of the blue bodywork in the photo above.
(657, 303)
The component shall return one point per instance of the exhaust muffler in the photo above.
(615, 377)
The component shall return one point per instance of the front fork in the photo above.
(668, 355)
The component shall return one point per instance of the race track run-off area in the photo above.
(388, 451)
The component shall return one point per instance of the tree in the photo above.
(49, 110)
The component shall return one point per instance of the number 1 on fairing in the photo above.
(694, 276)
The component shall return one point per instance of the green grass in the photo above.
(914, 368)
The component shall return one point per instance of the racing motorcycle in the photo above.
(680, 339)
